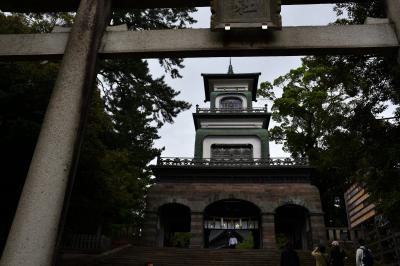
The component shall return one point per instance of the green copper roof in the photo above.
(252, 76)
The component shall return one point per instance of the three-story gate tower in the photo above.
(232, 185)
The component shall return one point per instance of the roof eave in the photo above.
(254, 76)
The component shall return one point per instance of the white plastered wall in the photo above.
(232, 123)
(221, 84)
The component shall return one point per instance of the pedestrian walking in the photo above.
(289, 256)
(337, 255)
(232, 242)
(319, 255)
(364, 255)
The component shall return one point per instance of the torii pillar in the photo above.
(33, 235)
(393, 13)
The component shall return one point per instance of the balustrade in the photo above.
(233, 162)
(231, 110)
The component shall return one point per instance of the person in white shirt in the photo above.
(232, 241)
(363, 255)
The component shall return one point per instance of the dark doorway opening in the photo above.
(174, 225)
(292, 223)
(232, 217)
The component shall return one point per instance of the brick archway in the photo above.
(231, 216)
(292, 223)
(173, 219)
(266, 196)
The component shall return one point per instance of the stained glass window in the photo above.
(232, 151)
(231, 103)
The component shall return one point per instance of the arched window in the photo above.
(231, 103)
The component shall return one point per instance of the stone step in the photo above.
(140, 256)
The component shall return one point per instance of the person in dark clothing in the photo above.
(337, 255)
(289, 256)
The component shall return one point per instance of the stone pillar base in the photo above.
(318, 229)
(268, 231)
(197, 230)
(149, 237)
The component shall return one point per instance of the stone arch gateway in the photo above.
(231, 216)
(265, 195)
(173, 219)
(292, 223)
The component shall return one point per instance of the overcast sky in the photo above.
(178, 138)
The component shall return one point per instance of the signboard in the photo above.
(359, 209)
(247, 14)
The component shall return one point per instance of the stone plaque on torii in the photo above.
(246, 14)
(33, 236)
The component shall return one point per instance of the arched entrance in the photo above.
(174, 225)
(238, 217)
(292, 223)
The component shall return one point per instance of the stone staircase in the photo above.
(140, 256)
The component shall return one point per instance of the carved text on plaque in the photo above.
(245, 14)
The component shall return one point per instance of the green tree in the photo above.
(309, 112)
(329, 111)
(138, 106)
(248, 242)
(124, 117)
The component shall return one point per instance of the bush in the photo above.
(248, 243)
(281, 241)
(181, 239)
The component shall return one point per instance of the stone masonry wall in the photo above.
(266, 196)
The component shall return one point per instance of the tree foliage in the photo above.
(138, 106)
(126, 111)
(329, 111)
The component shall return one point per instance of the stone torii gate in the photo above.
(33, 235)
